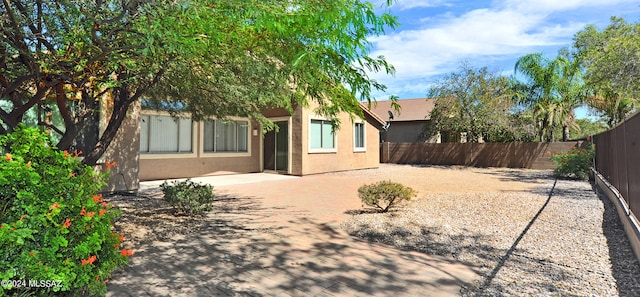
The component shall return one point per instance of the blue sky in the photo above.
(435, 36)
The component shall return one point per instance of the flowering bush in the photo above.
(190, 197)
(574, 164)
(385, 194)
(55, 231)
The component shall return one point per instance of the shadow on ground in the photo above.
(242, 249)
(624, 264)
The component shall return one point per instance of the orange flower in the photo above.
(121, 238)
(67, 223)
(72, 174)
(127, 253)
(66, 153)
(103, 211)
(549, 153)
(83, 211)
(89, 261)
(7, 156)
(97, 198)
(103, 203)
(91, 214)
(110, 164)
(53, 206)
(77, 152)
(28, 164)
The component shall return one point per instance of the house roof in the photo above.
(372, 114)
(417, 109)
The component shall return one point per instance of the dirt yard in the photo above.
(523, 241)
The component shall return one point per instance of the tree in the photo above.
(553, 89)
(209, 57)
(472, 101)
(610, 57)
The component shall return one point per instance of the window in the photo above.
(321, 136)
(165, 134)
(358, 137)
(226, 136)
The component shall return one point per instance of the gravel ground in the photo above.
(574, 245)
(523, 242)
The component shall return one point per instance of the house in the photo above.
(152, 145)
(408, 124)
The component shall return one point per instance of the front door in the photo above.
(276, 148)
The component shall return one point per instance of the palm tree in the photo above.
(554, 88)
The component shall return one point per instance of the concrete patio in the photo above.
(279, 236)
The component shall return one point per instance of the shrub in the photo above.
(191, 198)
(54, 228)
(385, 194)
(574, 164)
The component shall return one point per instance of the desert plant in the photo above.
(385, 194)
(56, 232)
(190, 197)
(574, 164)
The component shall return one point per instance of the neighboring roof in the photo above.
(372, 114)
(417, 109)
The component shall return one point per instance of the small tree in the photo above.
(472, 101)
(385, 194)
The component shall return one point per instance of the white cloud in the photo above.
(502, 32)
(551, 6)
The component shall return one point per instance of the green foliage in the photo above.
(385, 194)
(217, 58)
(476, 102)
(585, 127)
(552, 89)
(574, 164)
(53, 225)
(610, 57)
(190, 197)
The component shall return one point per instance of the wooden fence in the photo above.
(530, 155)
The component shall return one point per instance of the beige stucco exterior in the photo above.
(345, 157)
(124, 150)
(198, 162)
(301, 159)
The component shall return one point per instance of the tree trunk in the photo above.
(121, 104)
(565, 133)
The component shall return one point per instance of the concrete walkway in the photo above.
(281, 237)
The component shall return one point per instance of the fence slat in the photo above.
(618, 159)
(530, 155)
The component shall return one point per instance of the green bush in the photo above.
(55, 231)
(385, 194)
(574, 164)
(191, 198)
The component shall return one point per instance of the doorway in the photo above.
(276, 148)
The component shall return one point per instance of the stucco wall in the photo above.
(344, 158)
(124, 149)
(166, 166)
(405, 131)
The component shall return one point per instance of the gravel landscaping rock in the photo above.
(523, 242)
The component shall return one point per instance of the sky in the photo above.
(436, 36)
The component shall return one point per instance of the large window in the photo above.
(165, 134)
(321, 136)
(358, 137)
(226, 136)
